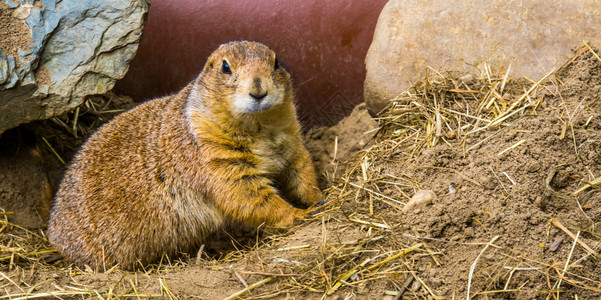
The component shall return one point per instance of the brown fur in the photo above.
(158, 179)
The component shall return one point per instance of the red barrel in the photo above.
(322, 44)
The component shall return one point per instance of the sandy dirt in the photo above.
(502, 194)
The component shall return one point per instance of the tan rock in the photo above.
(534, 37)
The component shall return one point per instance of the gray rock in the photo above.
(54, 53)
(534, 37)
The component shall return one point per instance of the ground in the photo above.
(514, 165)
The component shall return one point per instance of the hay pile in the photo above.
(513, 168)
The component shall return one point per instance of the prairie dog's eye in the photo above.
(276, 64)
(225, 68)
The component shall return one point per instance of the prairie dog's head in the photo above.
(242, 78)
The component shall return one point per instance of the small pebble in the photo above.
(435, 282)
(452, 188)
(421, 197)
(555, 244)
(416, 285)
(467, 77)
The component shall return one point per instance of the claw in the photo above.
(320, 203)
(316, 210)
(300, 221)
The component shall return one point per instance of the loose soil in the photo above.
(14, 33)
(503, 194)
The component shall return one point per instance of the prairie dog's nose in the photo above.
(257, 91)
(258, 97)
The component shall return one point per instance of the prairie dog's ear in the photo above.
(212, 62)
(209, 65)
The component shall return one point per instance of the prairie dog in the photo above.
(158, 179)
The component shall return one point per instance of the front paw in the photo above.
(295, 217)
(313, 197)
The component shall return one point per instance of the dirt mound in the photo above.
(510, 168)
(514, 165)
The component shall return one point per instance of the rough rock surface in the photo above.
(534, 37)
(53, 53)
